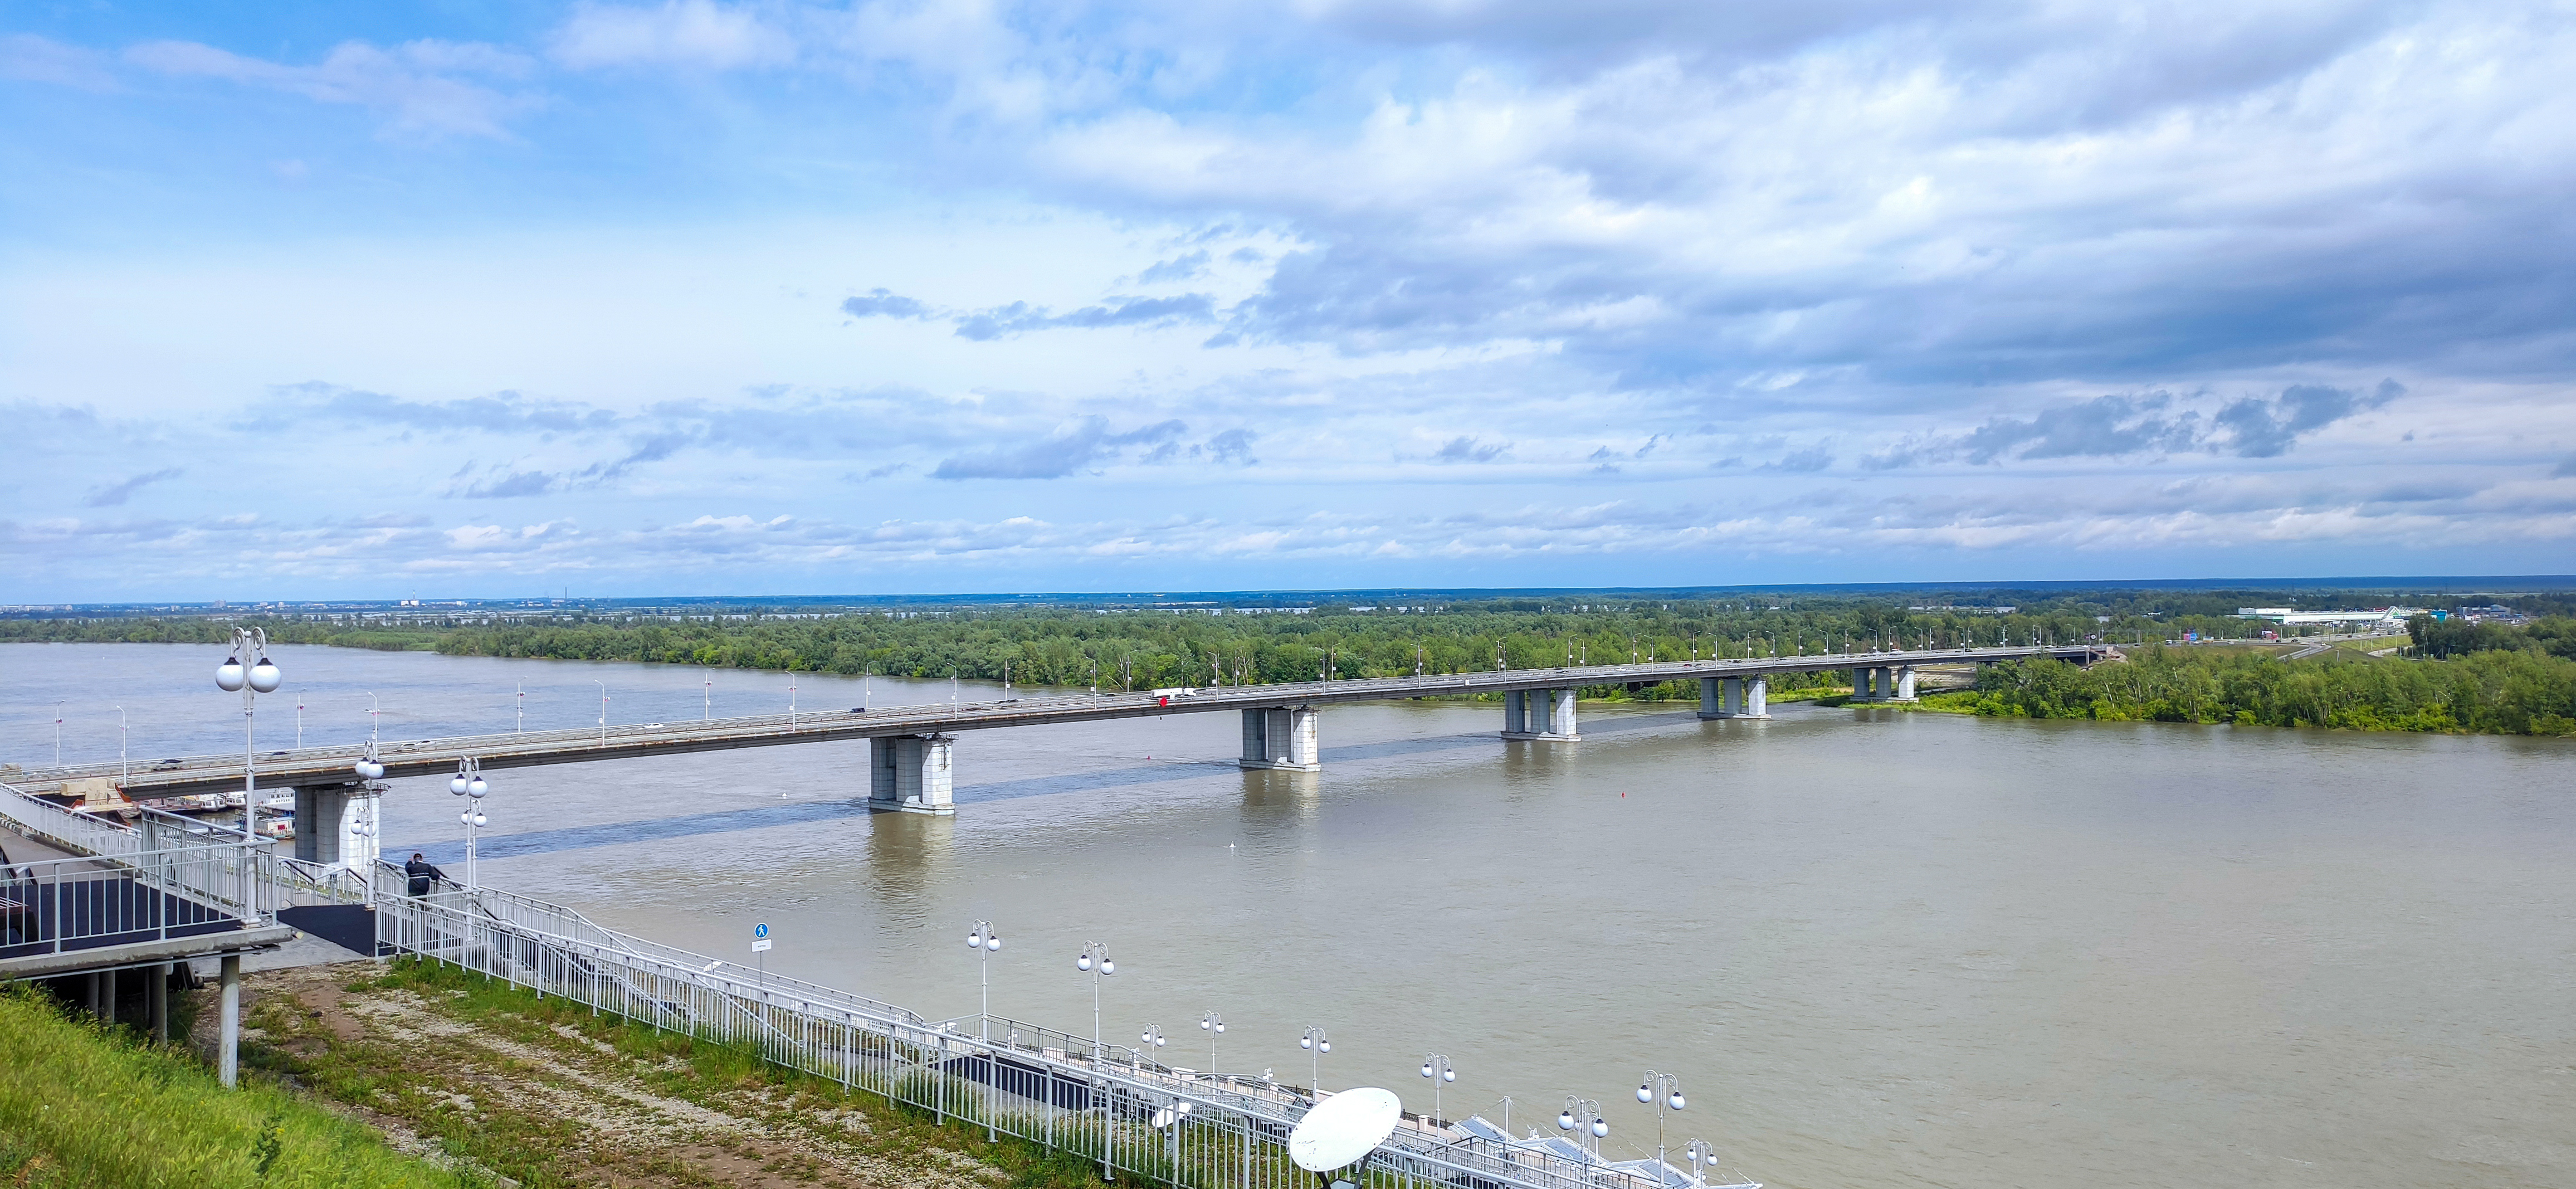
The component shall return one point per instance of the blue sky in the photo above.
(481, 300)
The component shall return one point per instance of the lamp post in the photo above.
(1436, 1067)
(707, 695)
(1316, 1047)
(603, 710)
(1214, 1025)
(375, 720)
(1584, 1113)
(1152, 1038)
(791, 700)
(1095, 962)
(523, 707)
(1665, 1091)
(1703, 1159)
(123, 772)
(985, 941)
(58, 734)
(370, 771)
(259, 677)
(468, 783)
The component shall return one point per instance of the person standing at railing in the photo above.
(421, 873)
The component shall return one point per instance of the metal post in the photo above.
(156, 1000)
(228, 1059)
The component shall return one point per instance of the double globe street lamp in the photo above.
(261, 676)
(1436, 1067)
(1214, 1025)
(469, 783)
(1316, 1046)
(1095, 962)
(1665, 1092)
(985, 941)
(1584, 1113)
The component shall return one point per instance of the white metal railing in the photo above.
(57, 905)
(220, 869)
(1107, 1104)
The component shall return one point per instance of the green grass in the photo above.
(539, 1150)
(86, 1106)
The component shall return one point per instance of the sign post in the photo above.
(760, 951)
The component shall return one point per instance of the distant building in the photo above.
(2285, 615)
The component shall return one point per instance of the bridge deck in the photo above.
(331, 765)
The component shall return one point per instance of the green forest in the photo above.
(2452, 676)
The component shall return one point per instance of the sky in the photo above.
(467, 299)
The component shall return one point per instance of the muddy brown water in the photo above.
(1878, 948)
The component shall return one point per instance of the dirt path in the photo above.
(500, 1085)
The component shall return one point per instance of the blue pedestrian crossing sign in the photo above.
(759, 931)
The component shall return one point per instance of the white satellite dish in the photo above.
(1343, 1128)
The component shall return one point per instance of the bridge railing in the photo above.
(1105, 1104)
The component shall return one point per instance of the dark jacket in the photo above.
(421, 873)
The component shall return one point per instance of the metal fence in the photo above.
(1108, 1104)
(59, 905)
(218, 871)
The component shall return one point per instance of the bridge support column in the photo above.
(1548, 718)
(1515, 713)
(1756, 697)
(321, 822)
(1281, 737)
(1712, 694)
(1860, 685)
(910, 773)
(1905, 684)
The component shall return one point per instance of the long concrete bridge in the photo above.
(911, 747)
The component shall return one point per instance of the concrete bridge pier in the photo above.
(1860, 682)
(1905, 684)
(910, 773)
(323, 815)
(1282, 738)
(1527, 714)
(1735, 697)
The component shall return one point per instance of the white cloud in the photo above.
(418, 84)
(691, 33)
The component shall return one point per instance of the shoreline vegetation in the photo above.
(2452, 677)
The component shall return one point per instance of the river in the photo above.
(1879, 948)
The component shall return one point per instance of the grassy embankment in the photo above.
(84, 1106)
(544, 1093)
(418, 1074)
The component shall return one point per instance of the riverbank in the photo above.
(415, 1074)
(541, 1092)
